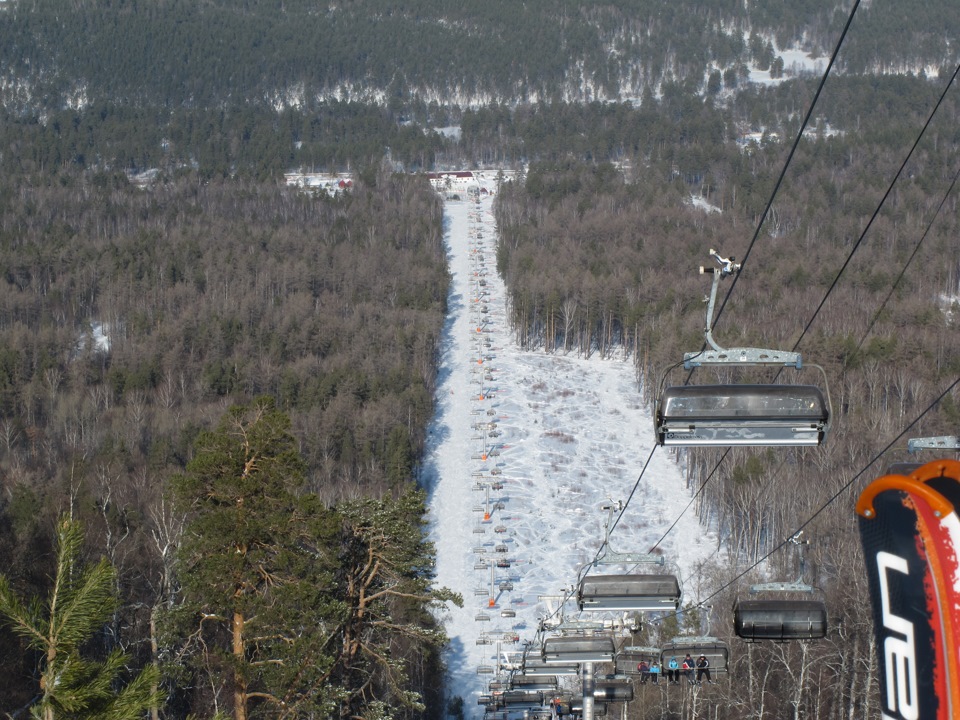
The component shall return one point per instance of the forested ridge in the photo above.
(183, 54)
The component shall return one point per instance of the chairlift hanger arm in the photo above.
(732, 356)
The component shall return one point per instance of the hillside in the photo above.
(295, 53)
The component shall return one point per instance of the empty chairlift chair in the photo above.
(543, 683)
(536, 667)
(750, 415)
(577, 649)
(628, 592)
(780, 619)
(940, 443)
(743, 415)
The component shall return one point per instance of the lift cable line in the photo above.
(916, 249)
(876, 212)
(766, 210)
(697, 494)
(836, 495)
(793, 150)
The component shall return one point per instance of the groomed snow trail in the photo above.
(525, 449)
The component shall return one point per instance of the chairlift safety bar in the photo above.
(610, 557)
(782, 587)
(941, 442)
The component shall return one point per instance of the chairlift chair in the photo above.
(780, 619)
(749, 415)
(518, 699)
(914, 445)
(578, 649)
(741, 415)
(629, 658)
(779, 614)
(714, 649)
(628, 592)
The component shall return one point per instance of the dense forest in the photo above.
(295, 53)
(214, 389)
(132, 320)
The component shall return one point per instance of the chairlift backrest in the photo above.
(780, 619)
(534, 682)
(524, 698)
(629, 592)
(714, 649)
(742, 415)
(565, 650)
(535, 666)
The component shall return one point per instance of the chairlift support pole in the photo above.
(588, 684)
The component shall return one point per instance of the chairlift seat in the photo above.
(629, 658)
(780, 620)
(534, 666)
(569, 649)
(714, 649)
(742, 415)
(534, 682)
(628, 592)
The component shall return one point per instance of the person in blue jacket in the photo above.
(673, 671)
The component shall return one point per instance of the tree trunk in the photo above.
(240, 682)
(154, 688)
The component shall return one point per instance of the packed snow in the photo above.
(524, 452)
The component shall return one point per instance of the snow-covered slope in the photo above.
(526, 448)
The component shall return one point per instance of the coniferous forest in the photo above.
(214, 388)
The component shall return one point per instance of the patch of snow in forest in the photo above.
(97, 336)
(452, 132)
(703, 204)
(949, 305)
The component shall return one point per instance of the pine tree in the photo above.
(255, 568)
(80, 603)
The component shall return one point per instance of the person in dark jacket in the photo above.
(703, 668)
(688, 666)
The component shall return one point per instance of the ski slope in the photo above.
(524, 452)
